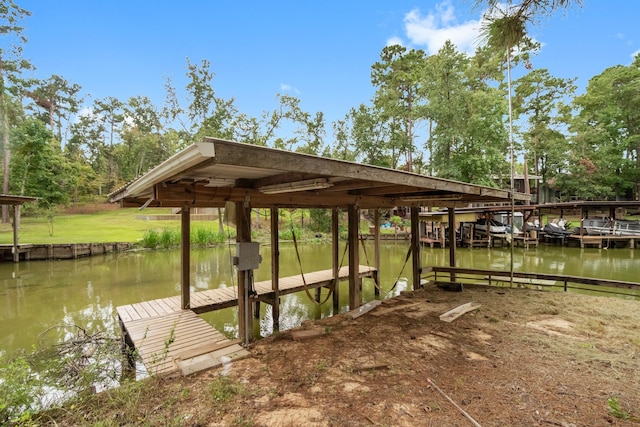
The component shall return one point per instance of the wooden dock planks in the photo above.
(171, 340)
(168, 343)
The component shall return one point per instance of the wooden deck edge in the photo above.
(210, 360)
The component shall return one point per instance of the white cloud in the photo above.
(395, 41)
(287, 88)
(434, 29)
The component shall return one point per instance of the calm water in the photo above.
(38, 298)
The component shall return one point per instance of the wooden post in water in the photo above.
(354, 262)
(415, 248)
(275, 268)
(376, 236)
(16, 230)
(451, 213)
(243, 234)
(335, 260)
(185, 259)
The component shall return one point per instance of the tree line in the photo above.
(443, 114)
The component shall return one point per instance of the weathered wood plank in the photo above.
(454, 313)
(363, 309)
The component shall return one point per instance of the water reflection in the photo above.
(40, 296)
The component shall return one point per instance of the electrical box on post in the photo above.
(247, 256)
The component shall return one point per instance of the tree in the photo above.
(528, 10)
(11, 66)
(398, 95)
(371, 137)
(540, 99)
(605, 160)
(110, 113)
(467, 139)
(59, 99)
(38, 166)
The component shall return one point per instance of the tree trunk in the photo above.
(7, 155)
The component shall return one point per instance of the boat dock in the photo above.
(172, 341)
(604, 241)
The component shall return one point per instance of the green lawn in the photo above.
(122, 225)
(126, 225)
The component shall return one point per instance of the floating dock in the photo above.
(172, 341)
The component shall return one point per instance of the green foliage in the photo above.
(20, 389)
(222, 389)
(151, 239)
(205, 237)
(320, 220)
(616, 410)
(168, 238)
(287, 234)
(38, 165)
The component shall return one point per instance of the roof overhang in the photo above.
(8, 199)
(215, 171)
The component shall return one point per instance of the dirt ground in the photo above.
(523, 358)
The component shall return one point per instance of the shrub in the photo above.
(150, 239)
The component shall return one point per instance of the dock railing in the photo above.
(446, 276)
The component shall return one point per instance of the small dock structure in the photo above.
(172, 341)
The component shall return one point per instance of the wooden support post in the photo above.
(275, 267)
(335, 240)
(243, 234)
(16, 229)
(185, 260)
(451, 213)
(354, 262)
(376, 240)
(415, 248)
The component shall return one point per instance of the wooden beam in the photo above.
(376, 240)
(335, 257)
(185, 258)
(275, 268)
(16, 230)
(243, 234)
(355, 298)
(415, 248)
(451, 213)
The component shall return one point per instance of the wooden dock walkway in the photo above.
(172, 341)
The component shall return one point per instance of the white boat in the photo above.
(495, 227)
(598, 226)
(623, 227)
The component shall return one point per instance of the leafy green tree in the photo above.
(604, 152)
(39, 166)
(87, 145)
(467, 137)
(540, 99)
(371, 137)
(11, 66)
(398, 95)
(110, 113)
(59, 100)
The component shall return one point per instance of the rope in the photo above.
(366, 257)
(304, 281)
(402, 270)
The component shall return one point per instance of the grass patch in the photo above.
(121, 225)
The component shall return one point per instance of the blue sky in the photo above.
(320, 52)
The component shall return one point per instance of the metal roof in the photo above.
(215, 171)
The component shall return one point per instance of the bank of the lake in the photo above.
(38, 296)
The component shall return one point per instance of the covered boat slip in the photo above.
(217, 173)
(602, 223)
